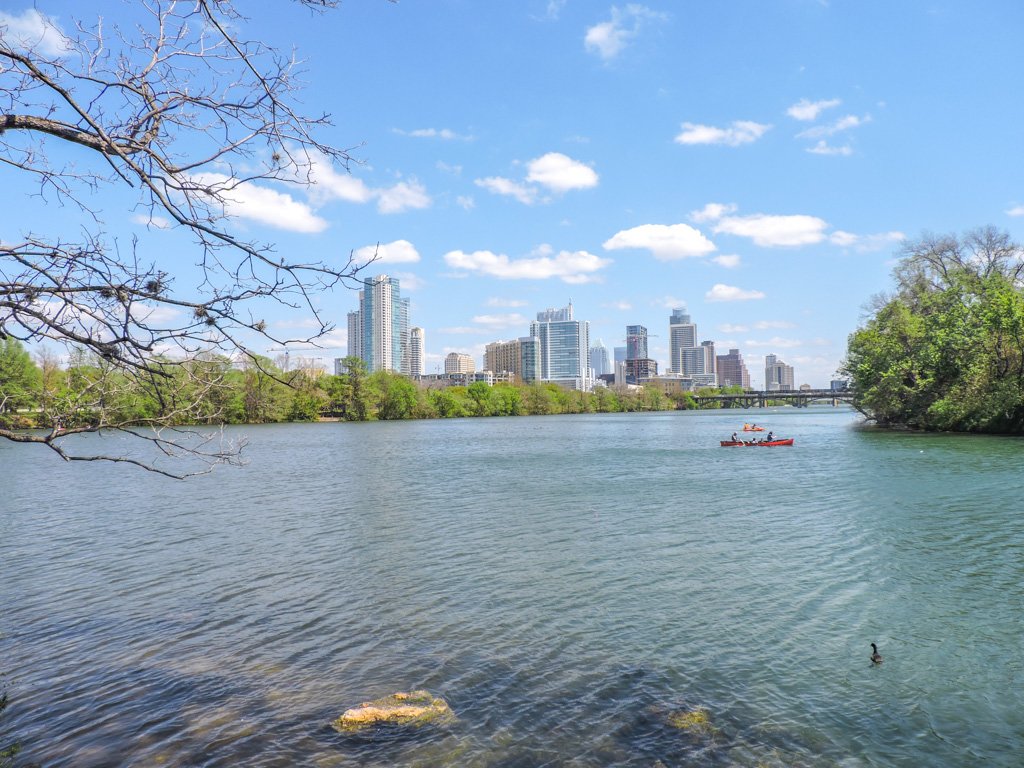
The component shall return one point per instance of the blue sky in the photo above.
(756, 162)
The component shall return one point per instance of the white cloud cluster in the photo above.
(1017, 210)
(739, 132)
(262, 204)
(729, 261)
(809, 110)
(397, 252)
(824, 148)
(328, 184)
(722, 292)
(553, 172)
(543, 263)
(511, 320)
(496, 301)
(32, 31)
(446, 134)
(608, 38)
(866, 243)
(560, 173)
(845, 123)
(666, 242)
(712, 212)
(403, 196)
(773, 231)
(805, 110)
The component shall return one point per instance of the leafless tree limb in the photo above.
(185, 114)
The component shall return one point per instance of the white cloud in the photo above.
(554, 9)
(557, 172)
(569, 266)
(328, 184)
(620, 305)
(397, 252)
(462, 329)
(809, 110)
(409, 281)
(729, 261)
(668, 302)
(512, 320)
(560, 173)
(730, 328)
(866, 243)
(842, 124)
(1017, 210)
(402, 196)
(502, 186)
(739, 132)
(454, 170)
(769, 231)
(32, 31)
(466, 202)
(495, 301)
(608, 38)
(763, 325)
(721, 292)
(712, 212)
(776, 342)
(824, 148)
(156, 222)
(666, 242)
(433, 133)
(267, 206)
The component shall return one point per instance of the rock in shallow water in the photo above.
(414, 709)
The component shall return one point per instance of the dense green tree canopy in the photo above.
(946, 350)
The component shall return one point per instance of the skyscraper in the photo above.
(636, 342)
(778, 377)
(682, 335)
(731, 370)
(458, 362)
(379, 331)
(599, 359)
(416, 346)
(564, 348)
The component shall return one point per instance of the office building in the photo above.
(519, 359)
(457, 362)
(636, 342)
(599, 361)
(778, 377)
(682, 334)
(731, 370)
(379, 331)
(416, 346)
(564, 348)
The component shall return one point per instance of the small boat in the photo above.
(752, 428)
(752, 444)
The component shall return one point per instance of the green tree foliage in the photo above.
(395, 396)
(946, 350)
(20, 379)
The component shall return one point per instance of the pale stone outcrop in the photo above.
(413, 708)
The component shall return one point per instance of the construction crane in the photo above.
(288, 351)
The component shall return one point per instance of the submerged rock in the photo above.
(414, 708)
(693, 720)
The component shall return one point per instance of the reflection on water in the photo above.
(572, 586)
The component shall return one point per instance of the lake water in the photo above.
(567, 583)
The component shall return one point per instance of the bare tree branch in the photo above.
(186, 114)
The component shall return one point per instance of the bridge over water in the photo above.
(798, 398)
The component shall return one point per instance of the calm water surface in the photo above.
(566, 583)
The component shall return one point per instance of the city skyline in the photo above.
(630, 158)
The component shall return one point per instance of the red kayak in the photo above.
(765, 444)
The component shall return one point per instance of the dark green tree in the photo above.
(944, 351)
